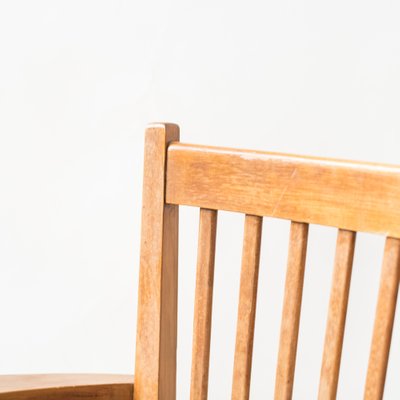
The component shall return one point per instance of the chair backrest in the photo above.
(348, 195)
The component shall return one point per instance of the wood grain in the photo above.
(203, 304)
(337, 314)
(155, 367)
(349, 195)
(291, 311)
(66, 387)
(247, 308)
(384, 318)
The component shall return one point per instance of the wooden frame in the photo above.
(156, 337)
(351, 196)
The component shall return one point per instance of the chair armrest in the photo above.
(66, 387)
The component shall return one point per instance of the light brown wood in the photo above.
(203, 304)
(247, 308)
(337, 314)
(66, 387)
(344, 194)
(352, 196)
(155, 368)
(384, 318)
(291, 311)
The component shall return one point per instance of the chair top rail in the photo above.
(350, 195)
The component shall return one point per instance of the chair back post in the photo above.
(156, 338)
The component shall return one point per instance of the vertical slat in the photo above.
(337, 314)
(203, 304)
(247, 308)
(155, 367)
(384, 318)
(291, 311)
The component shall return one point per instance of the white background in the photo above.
(79, 81)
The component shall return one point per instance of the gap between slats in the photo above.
(247, 308)
(203, 304)
(384, 318)
(291, 311)
(337, 314)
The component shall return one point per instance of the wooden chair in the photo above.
(348, 195)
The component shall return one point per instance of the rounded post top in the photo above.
(169, 131)
(162, 125)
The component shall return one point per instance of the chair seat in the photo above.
(66, 386)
